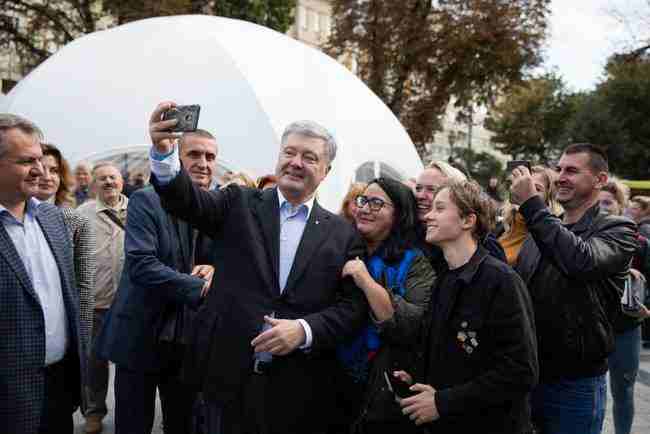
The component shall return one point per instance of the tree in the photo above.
(276, 14)
(36, 29)
(530, 121)
(418, 55)
(615, 116)
(481, 166)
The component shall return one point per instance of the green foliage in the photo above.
(481, 166)
(530, 121)
(33, 30)
(276, 14)
(418, 55)
(615, 116)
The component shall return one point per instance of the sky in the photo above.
(583, 34)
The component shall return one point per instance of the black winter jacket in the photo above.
(478, 349)
(575, 276)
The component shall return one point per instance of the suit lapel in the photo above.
(267, 214)
(9, 252)
(316, 232)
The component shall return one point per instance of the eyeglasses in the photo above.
(375, 203)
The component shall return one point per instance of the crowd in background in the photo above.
(429, 305)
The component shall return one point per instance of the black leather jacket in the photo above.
(575, 275)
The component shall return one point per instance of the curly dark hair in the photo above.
(403, 234)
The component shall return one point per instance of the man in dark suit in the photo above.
(40, 347)
(264, 347)
(146, 328)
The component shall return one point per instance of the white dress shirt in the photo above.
(43, 271)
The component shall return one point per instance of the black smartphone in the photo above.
(187, 115)
(512, 165)
(399, 388)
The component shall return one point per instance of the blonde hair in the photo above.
(356, 188)
(447, 170)
(620, 191)
(548, 175)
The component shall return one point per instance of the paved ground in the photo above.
(641, 420)
(109, 427)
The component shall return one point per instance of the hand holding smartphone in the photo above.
(512, 165)
(186, 115)
(400, 388)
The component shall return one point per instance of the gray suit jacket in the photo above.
(22, 340)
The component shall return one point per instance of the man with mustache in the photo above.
(107, 214)
(164, 281)
(265, 347)
(575, 267)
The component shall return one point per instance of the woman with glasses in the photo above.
(55, 186)
(396, 279)
(477, 360)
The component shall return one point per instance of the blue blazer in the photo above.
(22, 343)
(157, 250)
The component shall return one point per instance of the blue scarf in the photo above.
(356, 354)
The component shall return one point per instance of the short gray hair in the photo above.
(313, 130)
(197, 133)
(85, 164)
(101, 164)
(9, 121)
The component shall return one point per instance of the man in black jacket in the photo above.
(265, 342)
(163, 283)
(575, 269)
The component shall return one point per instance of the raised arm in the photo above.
(202, 209)
(404, 325)
(607, 252)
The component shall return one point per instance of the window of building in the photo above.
(325, 23)
(314, 24)
(302, 17)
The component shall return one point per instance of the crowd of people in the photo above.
(423, 306)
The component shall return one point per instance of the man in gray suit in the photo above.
(40, 348)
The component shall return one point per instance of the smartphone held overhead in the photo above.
(512, 165)
(186, 115)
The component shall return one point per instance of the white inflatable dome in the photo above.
(93, 98)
